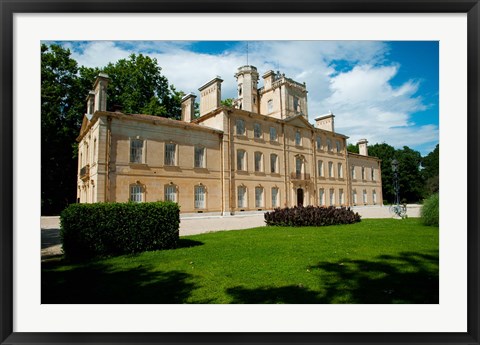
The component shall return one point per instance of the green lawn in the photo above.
(374, 261)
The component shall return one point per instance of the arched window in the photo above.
(241, 196)
(275, 193)
(200, 197)
(258, 162)
(259, 197)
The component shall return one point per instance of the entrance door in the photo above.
(299, 197)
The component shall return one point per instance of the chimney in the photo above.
(188, 107)
(90, 102)
(210, 95)
(362, 147)
(100, 90)
(268, 79)
(326, 122)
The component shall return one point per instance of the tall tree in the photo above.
(60, 123)
(138, 86)
(431, 170)
(410, 176)
(386, 153)
(352, 148)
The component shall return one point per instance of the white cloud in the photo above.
(353, 79)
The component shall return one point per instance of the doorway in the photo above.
(299, 197)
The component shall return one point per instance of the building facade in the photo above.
(260, 154)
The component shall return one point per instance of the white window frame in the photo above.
(319, 142)
(331, 173)
(363, 173)
(273, 134)
(340, 170)
(241, 162)
(321, 197)
(354, 174)
(338, 146)
(332, 197)
(240, 127)
(170, 193)
(354, 196)
(341, 197)
(258, 161)
(365, 198)
(274, 164)
(374, 197)
(321, 171)
(259, 202)
(298, 138)
(199, 162)
(241, 196)
(170, 156)
(136, 193)
(329, 145)
(275, 198)
(257, 131)
(136, 153)
(270, 106)
(200, 196)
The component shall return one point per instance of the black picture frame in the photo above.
(9, 7)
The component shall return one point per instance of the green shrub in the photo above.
(311, 216)
(430, 210)
(101, 229)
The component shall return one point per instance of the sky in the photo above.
(383, 91)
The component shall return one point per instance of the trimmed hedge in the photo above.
(102, 229)
(430, 210)
(311, 216)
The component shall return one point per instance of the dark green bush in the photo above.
(430, 210)
(102, 229)
(311, 216)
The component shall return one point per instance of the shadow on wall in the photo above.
(404, 278)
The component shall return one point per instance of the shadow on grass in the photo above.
(187, 243)
(97, 283)
(410, 278)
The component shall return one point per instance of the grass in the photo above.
(374, 261)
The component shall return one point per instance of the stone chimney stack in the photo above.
(247, 86)
(188, 107)
(100, 90)
(362, 147)
(268, 79)
(210, 95)
(90, 102)
(326, 122)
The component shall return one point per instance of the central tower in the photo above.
(247, 80)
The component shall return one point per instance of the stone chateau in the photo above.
(260, 154)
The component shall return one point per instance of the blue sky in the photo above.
(379, 90)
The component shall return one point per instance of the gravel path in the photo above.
(192, 225)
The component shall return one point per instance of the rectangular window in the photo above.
(354, 176)
(240, 126)
(273, 163)
(258, 162)
(354, 197)
(330, 169)
(257, 131)
(332, 197)
(363, 173)
(364, 196)
(170, 154)
(298, 138)
(258, 197)
(241, 193)
(374, 197)
(340, 170)
(296, 104)
(136, 150)
(320, 169)
(321, 197)
(270, 106)
(273, 134)
(298, 166)
(341, 197)
(199, 157)
(171, 193)
(329, 145)
(136, 193)
(373, 174)
(319, 143)
(241, 160)
(274, 197)
(199, 197)
(339, 146)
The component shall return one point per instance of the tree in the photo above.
(430, 172)
(352, 148)
(386, 153)
(137, 85)
(410, 176)
(61, 107)
(227, 102)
